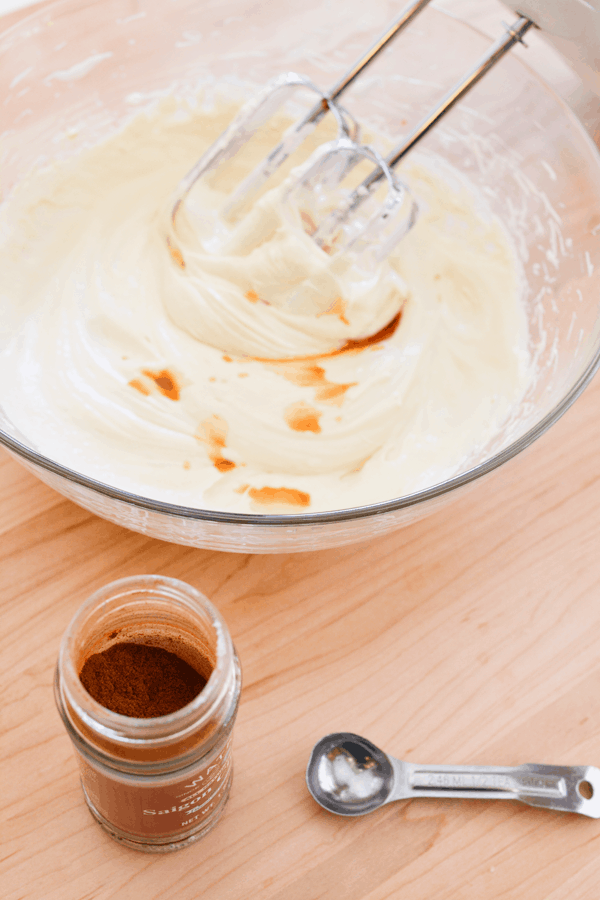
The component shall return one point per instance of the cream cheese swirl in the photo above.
(191, 378)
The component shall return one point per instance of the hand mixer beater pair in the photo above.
(349, 222)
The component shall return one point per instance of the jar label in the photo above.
(159, 806)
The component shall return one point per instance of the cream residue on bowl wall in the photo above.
(183, 380)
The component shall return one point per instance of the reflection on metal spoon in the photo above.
(350, 776)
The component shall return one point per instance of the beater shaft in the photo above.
(404, 19)
(513, 35)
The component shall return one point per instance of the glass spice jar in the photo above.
(155, 784)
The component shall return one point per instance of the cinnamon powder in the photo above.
(140, 680)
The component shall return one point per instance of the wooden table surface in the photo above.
(470, 637)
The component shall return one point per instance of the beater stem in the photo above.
(405, 17)
(513, 35)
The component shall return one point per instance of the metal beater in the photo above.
(337, 218)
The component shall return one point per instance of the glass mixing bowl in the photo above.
(76, 70)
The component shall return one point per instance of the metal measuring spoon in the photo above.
(350, 776)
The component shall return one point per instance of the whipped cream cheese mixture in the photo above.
(206, 378)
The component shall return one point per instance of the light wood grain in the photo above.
(472, 636)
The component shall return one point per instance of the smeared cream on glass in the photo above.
(188, 377)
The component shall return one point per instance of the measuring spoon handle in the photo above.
(569, 788)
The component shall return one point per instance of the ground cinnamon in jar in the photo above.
(155, 768)
(140, 680)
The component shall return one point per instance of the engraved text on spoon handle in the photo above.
(444, 780)
(568, 788)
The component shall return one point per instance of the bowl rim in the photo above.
(337, 515)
